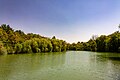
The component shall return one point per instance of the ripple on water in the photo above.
(72, 65)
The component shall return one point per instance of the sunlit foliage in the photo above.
(17, 42)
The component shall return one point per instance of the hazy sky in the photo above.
(70, 20)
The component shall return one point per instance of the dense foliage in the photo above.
(110, 43)
(16, 42)
(2, 49)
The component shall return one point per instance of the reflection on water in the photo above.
(105, 65)
(72, 65)
(115, 58)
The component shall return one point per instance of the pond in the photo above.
(71, 65)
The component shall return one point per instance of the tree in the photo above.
(114, 42)
(53, 37)
(3, 35)
(34, 46)
(18, 48)
(94, 37)
(19, 42)
(119, 27)
(27, 47)
(92, 44)
(3, 50)
(101, 43)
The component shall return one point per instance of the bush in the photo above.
(2, 49)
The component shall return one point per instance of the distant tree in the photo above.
(94, 37)
(20, 32)
(53, 37)
(6, 28)
(119, 27)
(18, 42)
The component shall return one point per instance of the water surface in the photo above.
(71, 65)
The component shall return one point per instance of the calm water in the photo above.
(72, 65)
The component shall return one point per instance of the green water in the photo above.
(71, 65)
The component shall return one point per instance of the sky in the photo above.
(70, 20)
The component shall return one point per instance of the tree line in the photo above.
(17, 42)
(110, 43)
